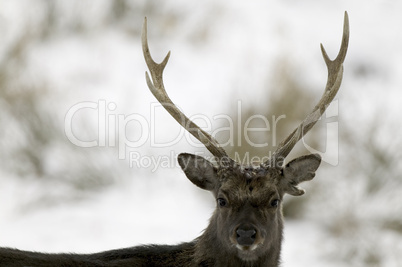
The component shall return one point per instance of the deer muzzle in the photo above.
(246, 237)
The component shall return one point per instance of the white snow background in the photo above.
(222, 52)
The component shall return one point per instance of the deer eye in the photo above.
(222, 202)
(274, 203)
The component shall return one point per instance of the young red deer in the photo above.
(246, 227)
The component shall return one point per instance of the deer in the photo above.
(246, 227)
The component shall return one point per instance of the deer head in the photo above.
(248, 219)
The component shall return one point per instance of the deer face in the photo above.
(248, 217)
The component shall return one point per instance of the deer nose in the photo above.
(245, 235)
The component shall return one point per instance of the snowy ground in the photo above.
(219, 50)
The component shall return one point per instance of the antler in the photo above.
(158, 90)
(335, 73)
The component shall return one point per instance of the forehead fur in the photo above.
(244, 182)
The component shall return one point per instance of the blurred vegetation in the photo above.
(364, 216)
(33, 142)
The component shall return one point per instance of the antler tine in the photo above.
(158, 90)
(335, 73)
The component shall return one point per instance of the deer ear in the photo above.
(198, 170)
(299, 170)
